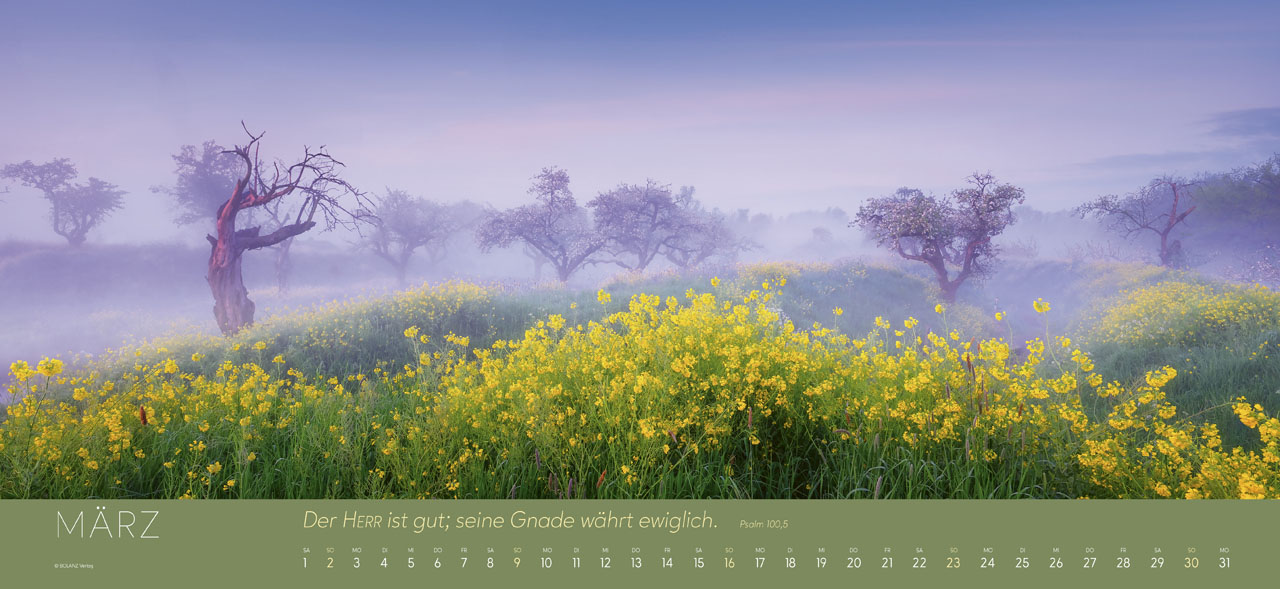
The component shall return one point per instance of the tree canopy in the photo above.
(953, 232)
(403, 223)
(74, 209)
(206, 174)
(554, 225)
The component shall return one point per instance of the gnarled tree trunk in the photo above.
(231, 305)
(315, 176)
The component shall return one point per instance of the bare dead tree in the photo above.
(315, 182)
(1158, 207)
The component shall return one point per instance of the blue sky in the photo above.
(774, 106)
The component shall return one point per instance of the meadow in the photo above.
(761, 381)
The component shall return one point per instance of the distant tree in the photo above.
(640, 222)
(1265, 176)
(950, 233)
(206, 175)
(705, 237)
(278, 215)
(313, 180)
(74, 209)
(539, 261)
(403, 224)
(1239, 210)
(464, 217)
(554, 226)
(1158, 207)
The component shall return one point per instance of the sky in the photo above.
(771, 106)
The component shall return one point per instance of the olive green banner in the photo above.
(638, 543)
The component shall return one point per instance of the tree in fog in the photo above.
(638, 222)
(539, 261)
(554, 226)
(949, 234)
(278, 215)
(1159, 207)
(703, 236)
(312, 181)
(1239, 210)
(74, 209)
(643, 223)
(403, 224)
(206, 174)
(706, 237)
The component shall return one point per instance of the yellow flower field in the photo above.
(712, 393)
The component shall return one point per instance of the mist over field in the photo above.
(735, 250)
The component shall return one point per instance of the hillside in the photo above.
(776, 380)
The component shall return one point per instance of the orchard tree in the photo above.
(73, 208)
(703, 235)
(642, 223)
(1239, 210)
(1158, 207)
(403, 224)
(539, 261)
(554, 226)
(206, 175)
(312, 182)
(277, 215)
(639, 222)
(703, 238)
(952, 234)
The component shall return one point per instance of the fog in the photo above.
(784, 125)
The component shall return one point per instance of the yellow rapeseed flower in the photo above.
(50, 367)
(21, 370)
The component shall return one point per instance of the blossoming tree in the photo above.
(951, 235)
